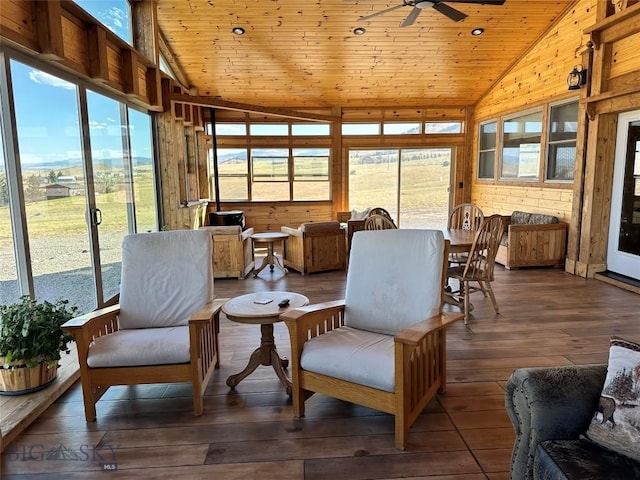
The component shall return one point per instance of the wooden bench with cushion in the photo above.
(532, 240)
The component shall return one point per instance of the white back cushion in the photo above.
(166, 277)
(394, 279)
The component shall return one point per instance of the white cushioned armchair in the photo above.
(384, 345)
(165, 328)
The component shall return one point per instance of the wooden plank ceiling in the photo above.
(304, 53)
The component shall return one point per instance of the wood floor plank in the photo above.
(251, 433)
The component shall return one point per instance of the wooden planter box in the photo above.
(20, 379)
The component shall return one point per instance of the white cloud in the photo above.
(44, 78)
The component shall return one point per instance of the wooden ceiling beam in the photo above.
(244, 107)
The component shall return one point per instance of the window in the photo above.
(397, 128)
(563, 128)
(311, 174)
(268, 129)
(443, 127)
(521, 146)
(229, 129)
(165, 67)
(310, 129)
(270, 174)
(113, 14)
(487, 149)
(360, 129)
(233, 174)
(9, 291)
(70, 257)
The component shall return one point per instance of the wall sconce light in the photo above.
(577, 77)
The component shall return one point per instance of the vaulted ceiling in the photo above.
(305, 54)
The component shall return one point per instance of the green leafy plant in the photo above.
(31, 332)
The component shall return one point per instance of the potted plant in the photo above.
(31, 339)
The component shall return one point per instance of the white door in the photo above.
(623, 253)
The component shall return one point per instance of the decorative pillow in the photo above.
(359, 214)
(616, 423)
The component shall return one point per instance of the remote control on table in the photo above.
(284, 303)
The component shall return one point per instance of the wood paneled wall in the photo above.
(604, 41)
(62, 33)
(538, 78)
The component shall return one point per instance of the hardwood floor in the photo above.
(547, 318)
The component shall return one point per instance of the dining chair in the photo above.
(379, 222)
(476, 274)
(465, 216)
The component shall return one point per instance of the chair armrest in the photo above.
(294, 232)
(207, 312)
(307, 322)
(246, 233)
(413, 334)
(550, 403)
(93, 324)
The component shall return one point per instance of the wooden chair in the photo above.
(466, 216)
(379, 222)
(383, 346)
(478, 269)
(165, 328)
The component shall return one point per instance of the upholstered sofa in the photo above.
(315, 247)
(532, 240)
(550, 408)
(232, 251)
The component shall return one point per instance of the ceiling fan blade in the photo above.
(411, 17)
(452, 13)
(381, 12)
(481, 2)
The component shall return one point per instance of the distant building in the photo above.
(57, 190)
(66, 179)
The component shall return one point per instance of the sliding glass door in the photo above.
(411, 183)
(84, 169)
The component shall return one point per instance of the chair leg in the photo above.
(493, 297)
(402, 432)
(297, 399)
(89, 397)
(467, 304)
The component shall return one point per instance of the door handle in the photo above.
(96, 217)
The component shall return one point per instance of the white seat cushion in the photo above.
(358, 356)
(141, 346)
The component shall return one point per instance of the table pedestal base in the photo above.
(272, 260)
(266, 354)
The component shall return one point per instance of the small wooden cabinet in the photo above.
(232, 251)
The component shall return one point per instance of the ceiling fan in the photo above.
(441, 6)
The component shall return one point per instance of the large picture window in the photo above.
(311, 174)
(563, 128)
(521, 146)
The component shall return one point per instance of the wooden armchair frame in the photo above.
(419, 364)
(204, 352)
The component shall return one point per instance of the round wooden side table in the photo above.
(262, 309)
(271, 259)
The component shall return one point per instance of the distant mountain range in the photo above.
(77, 162)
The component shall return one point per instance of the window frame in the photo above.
(522, 114)
(550, 142)
(496, 151)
